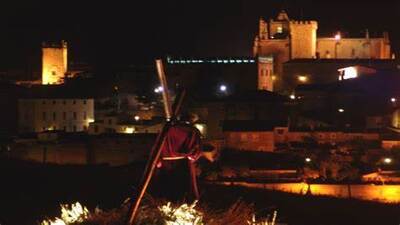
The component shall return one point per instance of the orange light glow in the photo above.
(302, 79)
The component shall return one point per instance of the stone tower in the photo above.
(303, 39)
(54, 62)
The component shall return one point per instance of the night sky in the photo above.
(115, 32)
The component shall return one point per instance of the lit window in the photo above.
(279, 30)
(348, 73)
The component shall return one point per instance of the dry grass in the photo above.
(238, 214)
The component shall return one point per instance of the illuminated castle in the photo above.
(286, 39)
(54, 62)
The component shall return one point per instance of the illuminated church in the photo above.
(289, 40)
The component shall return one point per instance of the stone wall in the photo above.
(352, 48)
(303, 39)
(379, 193)
(255, 141)
(54, 63)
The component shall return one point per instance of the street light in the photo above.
(340, 110)
(292, 96)
(393, 100)
(222, 88)
(338, 37)
(137, 118)
(387, 160)
(308, 160)
(158, 89)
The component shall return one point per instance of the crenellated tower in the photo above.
(54, 62)
(303, 39)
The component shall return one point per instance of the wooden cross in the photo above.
(170, 115)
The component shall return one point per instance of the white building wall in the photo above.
(71, 115)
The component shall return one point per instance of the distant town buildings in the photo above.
(287, 40)
(53, 113)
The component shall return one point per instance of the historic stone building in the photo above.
(286, 39)
(54, 62)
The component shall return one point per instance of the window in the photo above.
(84, 128)
(96, 129)
(279, 30)
(84, 115)
(110, 121)
(64, 102)
(53, 73)
(74, 102)
(64, 115)
(65, 128)
(75, 116)
(54, 116)
(54, 102)
(44, 102)
(44, 116)
(280, 131)
(74, 128)
(84, 102)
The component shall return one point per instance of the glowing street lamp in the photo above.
(302, 79)
(222, 88)
(338, 36)
(292, 96)
(337, 39)
(387, 160)
(393, 100)
(340, 110)
(158, 89)
(307, 160)
(137, 118)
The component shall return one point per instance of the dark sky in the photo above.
(111, 32)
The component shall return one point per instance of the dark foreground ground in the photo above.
(29, 192)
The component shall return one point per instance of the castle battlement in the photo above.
(53, 44)
(303, 22)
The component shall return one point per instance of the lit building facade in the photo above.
(112, 124)
(42, 114)
(287, 40)
(54, 62)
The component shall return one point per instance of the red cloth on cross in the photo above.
(182, 140)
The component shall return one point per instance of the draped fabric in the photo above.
(182, 140)
(181, 145)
